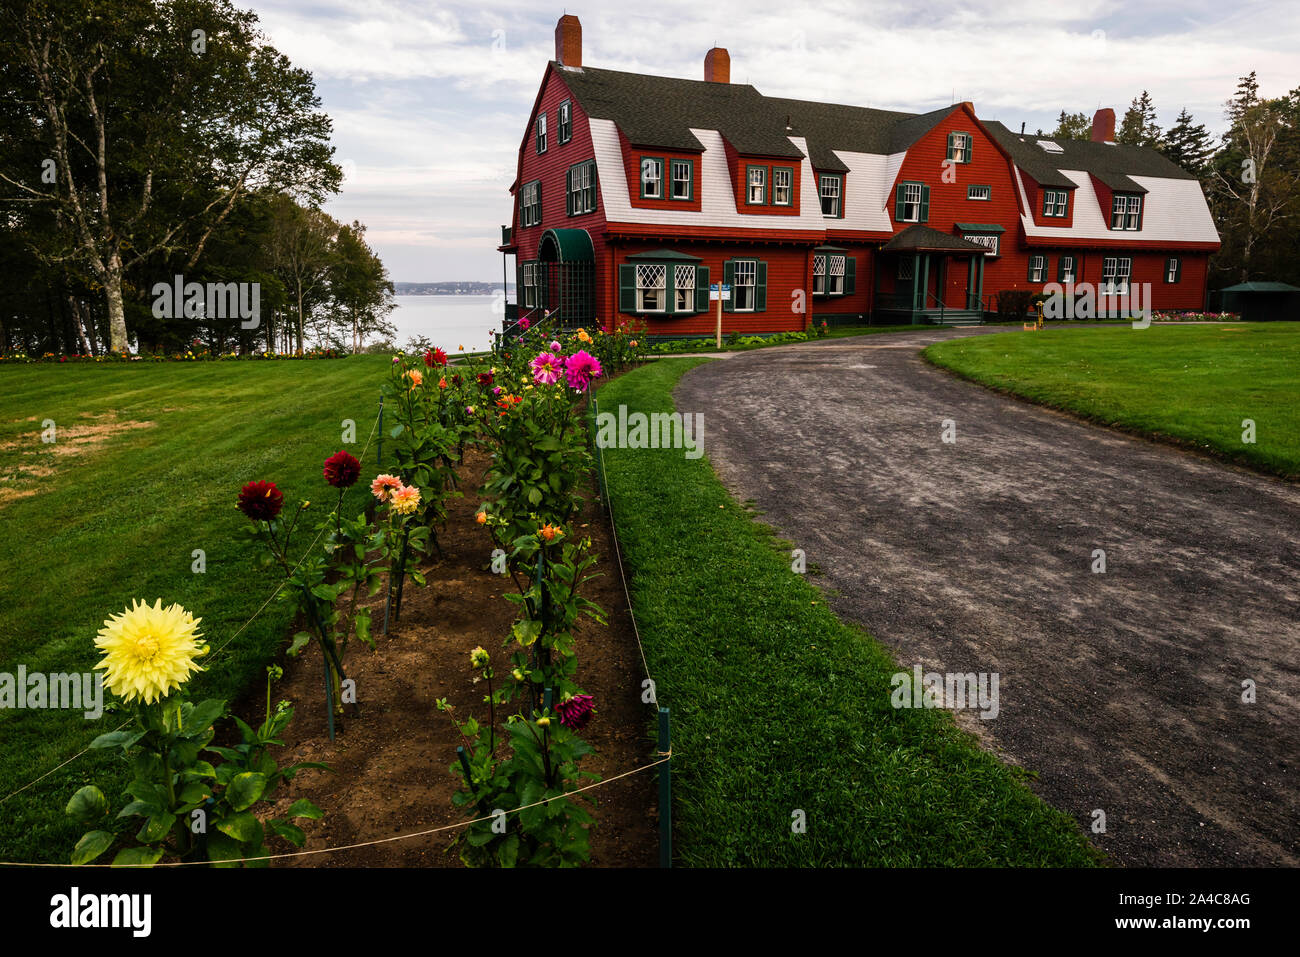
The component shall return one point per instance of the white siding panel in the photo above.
(1173, 210)
(867, 187)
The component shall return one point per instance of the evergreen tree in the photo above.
(1139, 127)
(1187, 145)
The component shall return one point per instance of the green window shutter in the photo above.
(898, 203)
(970, 145)
(760, 287)
(627, 288)
(701, 288)
(1047, 202)
(948, 151)
(1060, 269)
(925, 204)
(670, 289)
(1178, 270)
(844, 182)
(850, 274)
(728, 278)
(1029, 275)
(568, 191)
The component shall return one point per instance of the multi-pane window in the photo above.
(1125, 211)
(1172, 269)
(541, 133)
(1067, 269)
(742, 286)
(782, 186)
(565, 118)
(651, 288)
(1055, 202)
(906, 268)
(835, 276)
(757, 179)
(532, 272)
(1115, 272)
(652, 178)
(830, 188)
(959, 147)
(682, 170)
(911, 202)
(530, 204)
(979, 192)
(1037, 267)
(582, 188)
(819, 275)
(684, 289)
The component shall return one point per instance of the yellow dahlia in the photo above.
(406, 499)
(149, 651)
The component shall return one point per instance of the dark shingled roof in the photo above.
(660, 111)
(923, 238)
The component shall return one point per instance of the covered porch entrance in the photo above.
(928, 277)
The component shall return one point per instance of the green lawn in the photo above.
(120, 519)
(1191, 384)
(778, 706)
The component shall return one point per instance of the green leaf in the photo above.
(243, 827)
(304, 808)
(244, 789)
(91, 845)
(156, 828)
(223, 848)
(300, 641)
(87, 805)
(202, 715)
(141, 809)
(138, 857)
(362, 624)
(290, 832)
(115, 739)
(418, 578)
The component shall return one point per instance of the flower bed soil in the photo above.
(391, 764)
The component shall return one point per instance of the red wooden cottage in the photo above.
(635, 192)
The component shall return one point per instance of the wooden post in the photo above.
(665, 792)
(718, 334)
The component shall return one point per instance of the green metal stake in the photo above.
(379, 452)
(665, 792)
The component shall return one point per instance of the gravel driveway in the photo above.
(1122, 690)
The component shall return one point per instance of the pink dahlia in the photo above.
(547, 368)
(580, 368)
(555, 346)
(524, 324)
(576, 712)
(384, 486)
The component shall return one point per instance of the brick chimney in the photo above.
(568, 41)
(717, 66)
(1103, 126)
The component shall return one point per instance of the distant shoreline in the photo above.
(450, 288)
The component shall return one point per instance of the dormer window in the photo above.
(1056, 202)
(782, 186)
(831, 188)
(1126, 212)
(652, 178)
(756, 192)
(683, 179)
(541, 133)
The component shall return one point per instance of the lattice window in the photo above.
(684, 289)
(651, 285)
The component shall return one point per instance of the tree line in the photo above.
(1251, 175)
(147, 145)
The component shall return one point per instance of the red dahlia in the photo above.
(576, 712)
(342, 469)
(435, 357)
(260, 500)
(485, 378)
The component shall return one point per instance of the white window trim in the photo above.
(1172, 268)
(819, 274)
(651, 270)
(914, 204)
(687, 165)
(541, 133)
(761, 185)
(835, 193)
(988, 193)
(736, 284)
(1067, 275)
(1037, 268)
(777, 188)
(684, 283)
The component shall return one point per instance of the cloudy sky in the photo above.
(429, 99)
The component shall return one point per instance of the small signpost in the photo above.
(721, 292)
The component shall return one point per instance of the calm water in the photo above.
(447, 321)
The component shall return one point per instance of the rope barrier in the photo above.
(382, 840)
(213, 654)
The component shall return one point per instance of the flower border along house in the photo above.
(635, 192)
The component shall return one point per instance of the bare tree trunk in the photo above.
(116, 311)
